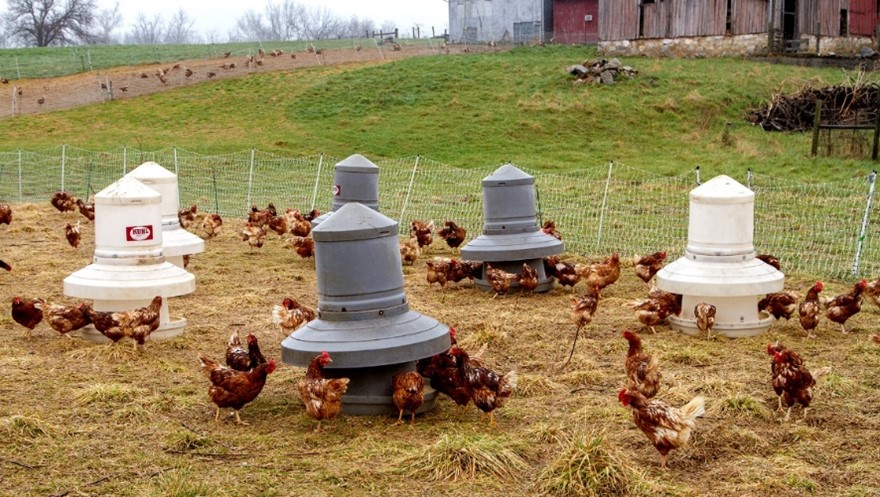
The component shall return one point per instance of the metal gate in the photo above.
(527, 32)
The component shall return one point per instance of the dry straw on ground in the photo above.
(80, 418)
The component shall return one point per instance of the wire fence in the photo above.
(824, 230)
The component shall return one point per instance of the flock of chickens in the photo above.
(455, 373)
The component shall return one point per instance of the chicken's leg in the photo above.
(217, 415)
(779, 402)
(412, 418)
(663, 459)
(399, 418)
(577, 331)
(318, 429)
(843, 329)
(491, 418)
(238, 419)
(788, 414)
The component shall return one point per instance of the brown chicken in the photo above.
(444, 375)
(460, 269)
(665, 426)
(278, 224)
(290, 315)
(211, 225)
(769, 259)
(810, 309)
(410, 250)
(791, 380)
(253, 235)
(65, 319)
(408, 394)
(424, 232)
(527, 279)
(602, 274)
(549, 228)
(260, 218)
(304, 246)
(87, 210)
(186, 217)
(438, 271)
(234, 389)
(875, 339)
(73, 234)
(498, 279)
(299, 225)
(453, 234)
(704, 315)
(241, 359)
(647, 266)
(63, 201)
(5, 214)
(27, 312)
(322, 397)
(566, 274)
(656, 308)
(842, 307)
(780, 305)
(582, 310)
(136, 324)
(488, 390)
(642, 369)
(872, 291)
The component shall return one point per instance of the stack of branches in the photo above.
(600, 71)
(853, 104)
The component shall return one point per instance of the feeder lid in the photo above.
(129, 282)
(367, 343)
(354, 221)
(178, 241)
(151, 172)
(722, 190)
(508, 175)
(512, 247)
(127, 190)
(358, 164)
(730, 276)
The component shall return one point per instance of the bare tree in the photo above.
(107, 20)
(251, 27)
(388, 27)
(321, 24)
(357, 28)
(49, 22)
(285, 20)
(180, 29)
(147, 31)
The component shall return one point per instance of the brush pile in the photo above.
(856, 104)
(600, 71)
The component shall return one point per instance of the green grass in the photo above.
(471, 110)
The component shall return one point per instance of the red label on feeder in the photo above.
(138, 233)
(337, 190)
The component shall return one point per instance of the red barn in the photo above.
(576, 21)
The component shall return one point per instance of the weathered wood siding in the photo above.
(570, 23)
(618, 19)
(862, 17)
(749, 17)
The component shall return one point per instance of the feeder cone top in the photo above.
(722, 190)
(508, 175)
(357, 162)
(128, 190)
(354, 221)
(150, 170)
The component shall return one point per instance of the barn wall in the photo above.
(749, 17)
(618, 19)
(862, 17)
(570, 24)
(722, 46)
(499, 20)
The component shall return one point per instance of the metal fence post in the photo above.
(412, 178)
(20, 199)
(250, 182)
(317, 179)
(750, 179)
(17, 69)
(63, 162)
(861, 240)
(697, 172)
(175, 161)
(604, 202)
(216, 194)
(124, 160)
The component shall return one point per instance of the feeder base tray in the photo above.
(167, 330)
(730, 330)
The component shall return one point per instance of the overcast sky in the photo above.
(219, 16)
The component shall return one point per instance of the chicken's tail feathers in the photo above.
(821, 372)
(206, 363)
(694, 409)
(234, 339)
(636, 258)
(508, 381)
(278, 314)
(478, 356)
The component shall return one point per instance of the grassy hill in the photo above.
(470, 109)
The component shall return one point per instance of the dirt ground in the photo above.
(95, 87)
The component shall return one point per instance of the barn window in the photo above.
(728, 26)
(844, 29)
(647, 1)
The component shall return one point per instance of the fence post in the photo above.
(604, 202)
(817, 119)
(250, 182)
(17, 69)
(861, 240)
(63, 162)
(216, 196)
(317, 179)
(124, 160)
(175, 161)
(750, 179)
(697, 173)
(412, 178)
(20, 199)
(876, 136)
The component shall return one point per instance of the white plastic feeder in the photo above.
(129, 267)
(719, 265)
(176, 241)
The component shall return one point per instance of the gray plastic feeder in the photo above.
(511, 235)
(355, 179)
(364, 321)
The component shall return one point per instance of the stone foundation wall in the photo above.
(724, 46)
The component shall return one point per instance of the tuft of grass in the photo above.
(744, 405)
(529, 385)
(466, 456)
(586, 466)
(106, 393)
(26, 427)
(689, 356)
(186, 440)
(488, 333)
(180, 483)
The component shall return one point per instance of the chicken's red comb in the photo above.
(819, 286)
(622, 396)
